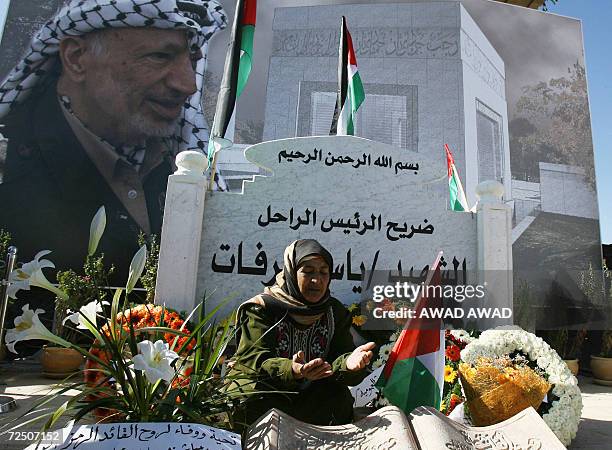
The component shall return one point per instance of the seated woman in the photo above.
(295, 338)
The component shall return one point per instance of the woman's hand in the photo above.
(360, 357)
(312, 370)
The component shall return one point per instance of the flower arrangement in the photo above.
(564, 403)
(498, 388)
(563, 407)
(145, 363)
(452, 394)
(73, 291)
(154, 358)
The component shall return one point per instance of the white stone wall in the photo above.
(565, 191)
(527, 199)
(433, 46)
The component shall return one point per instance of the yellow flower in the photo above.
(449, 374)
(443, 406)
(359, 320)
(353, 307)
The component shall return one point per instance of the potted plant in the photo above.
(146, 363)
(602, 365)
(80, 290)
(568, 344)
(74, 292)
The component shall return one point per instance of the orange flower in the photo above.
(454, 401)
(387, 305)
(453, 353)
(182, 379)
(139, 316)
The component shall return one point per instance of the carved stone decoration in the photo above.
(389, 428)
(370, 42)
(473, 56)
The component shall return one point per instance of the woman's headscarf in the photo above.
(285, 296)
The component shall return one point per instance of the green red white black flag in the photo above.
(414, 372)
(350, 89)
(457, 199)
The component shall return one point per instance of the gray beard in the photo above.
(139, 125)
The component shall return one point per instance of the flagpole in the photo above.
(213, 171)
(342, 78)
(226, 98)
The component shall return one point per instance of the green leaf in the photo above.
(136, 267)
(96, 230)
(56, 415)
(115, 311)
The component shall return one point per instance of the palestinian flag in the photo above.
(458, 202)
(414, 373)
(235, 73)
(350, 89)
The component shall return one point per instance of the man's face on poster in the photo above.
(134, 82)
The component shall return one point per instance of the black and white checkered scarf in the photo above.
(201, 19)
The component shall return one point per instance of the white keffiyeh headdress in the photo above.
(200, 18)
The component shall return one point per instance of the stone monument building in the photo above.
(430, 75)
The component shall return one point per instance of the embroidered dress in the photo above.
(313, 341)
(279, 324)
(267, 343)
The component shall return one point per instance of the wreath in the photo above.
(563, 408)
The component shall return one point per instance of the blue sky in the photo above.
(596, 16)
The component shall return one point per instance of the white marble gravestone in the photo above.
(389, 209)
(372, 205)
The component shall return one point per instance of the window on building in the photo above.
(490, 145)
(381, 118)
(323, 105)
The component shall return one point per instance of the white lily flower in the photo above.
(30, 274)
(27, 327)
(136, 268)
(86, 315)
(96, 230)
(155, 359)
